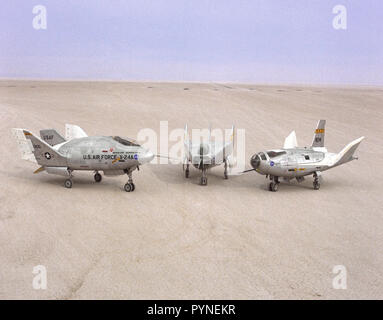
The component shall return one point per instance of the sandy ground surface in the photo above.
(172, 238)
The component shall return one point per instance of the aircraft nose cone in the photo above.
(146, 157)
(255, 161)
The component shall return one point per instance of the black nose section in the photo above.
(255, 161)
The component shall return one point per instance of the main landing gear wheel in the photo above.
(97, 177)
(203, 181)
(187, 173)
(273, 186)
(68, 183)
(129, 187)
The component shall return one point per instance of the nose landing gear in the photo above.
(273, 186)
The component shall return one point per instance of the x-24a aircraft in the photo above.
(57, 155)
(296, 162)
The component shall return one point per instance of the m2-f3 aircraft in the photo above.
(204, 156)
(56, 155)
(296, 162)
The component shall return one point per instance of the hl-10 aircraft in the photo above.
(294, 162)
(204, 156)
(56, 155)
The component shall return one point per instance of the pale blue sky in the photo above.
(258, 41)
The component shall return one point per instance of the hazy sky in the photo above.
(200, 40)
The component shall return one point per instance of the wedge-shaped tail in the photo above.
(347, 154)
(36, 150)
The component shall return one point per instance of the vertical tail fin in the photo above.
(186, 144)
(74, 132)
(232, 135)
(318, 140)
(229, 145)
(209, 139)
(51, 136)
(25, 146)
(291, 141)
(42, 152)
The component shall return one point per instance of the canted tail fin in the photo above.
(74, 132)
(347, 154)
(318, 140)
(36, 150)
(51, 136)
(232, 133)
(229, 143)
(291, 141)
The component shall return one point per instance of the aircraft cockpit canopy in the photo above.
(126, 141)
(274, 154)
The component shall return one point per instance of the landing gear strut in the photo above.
(129, 186)
(187, 171)
(316, 183)
(203, 178)
(225, 172)
(273, 186)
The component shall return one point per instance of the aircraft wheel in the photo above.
(129, 187)
(316, 185)
(273, 186)
(225, 175)
(203, 181)
(97, 177)
(133, 186)
(187, 173)
(68, 183)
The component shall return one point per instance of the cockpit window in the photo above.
(125, 141)
(262, 155)
(273, 154)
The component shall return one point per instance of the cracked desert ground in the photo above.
(172, 238)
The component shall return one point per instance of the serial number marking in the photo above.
(109, 157)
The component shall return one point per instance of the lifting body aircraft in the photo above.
(206, 155)
(296, 162)
(56, 155)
